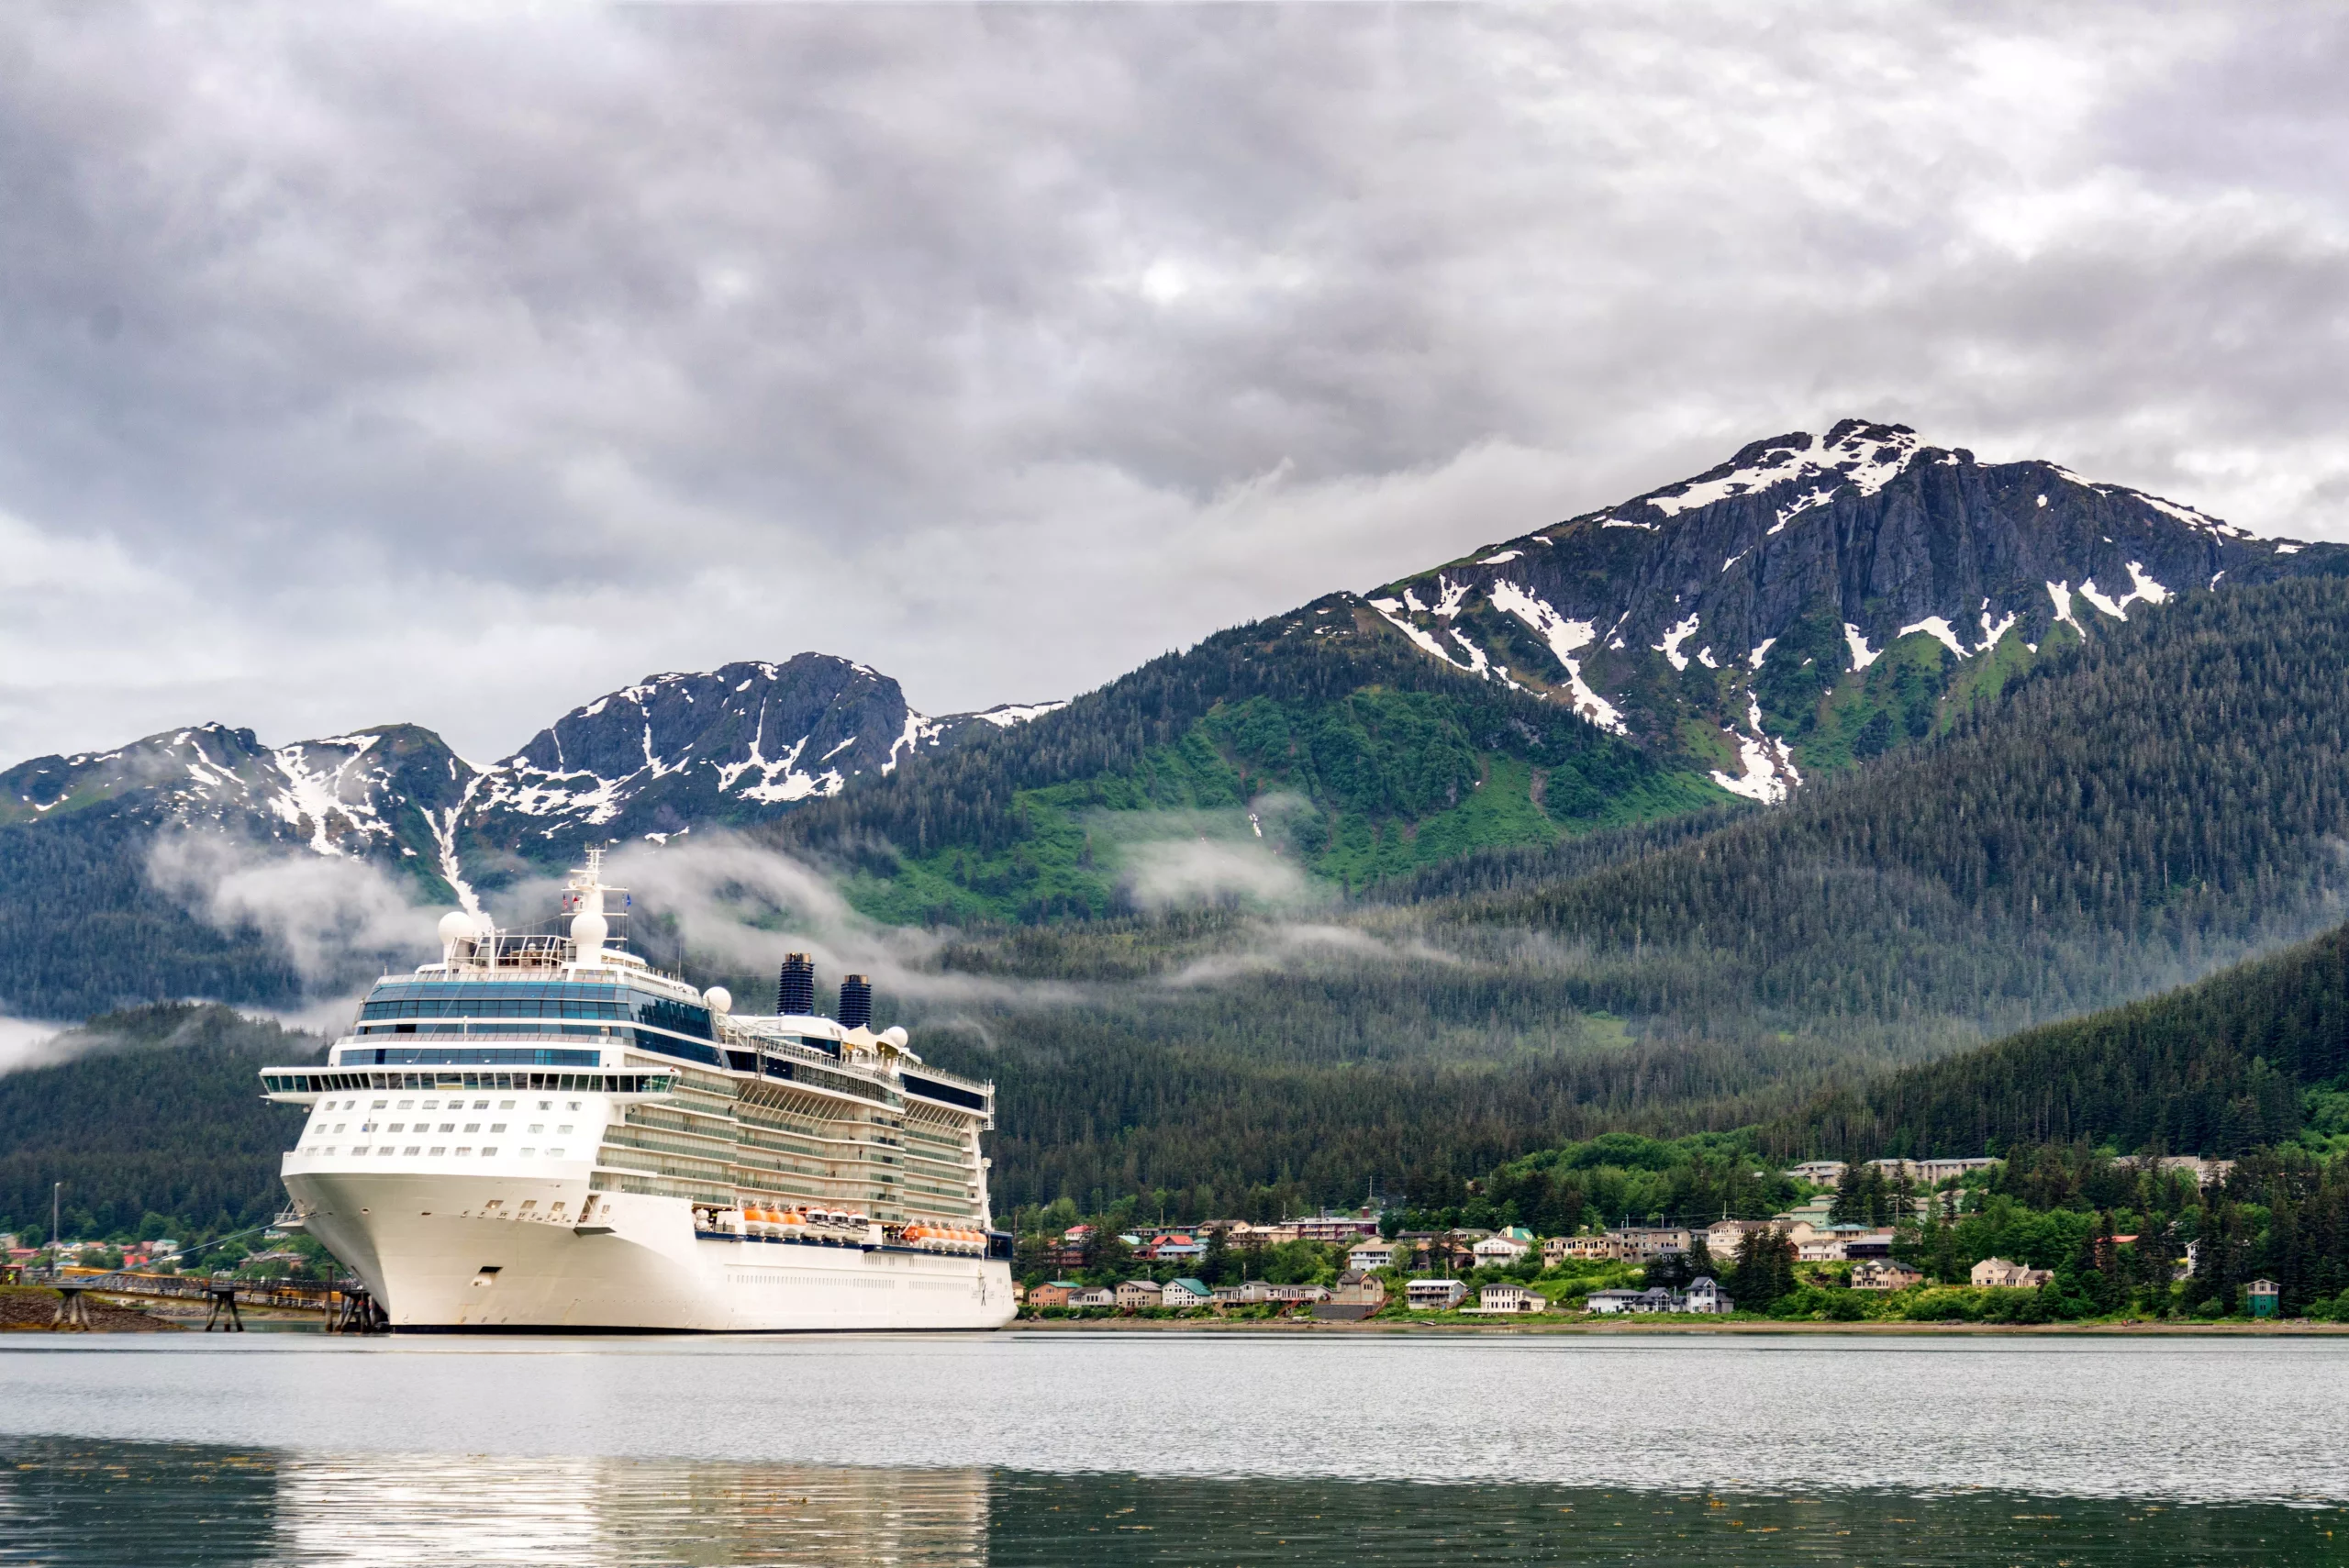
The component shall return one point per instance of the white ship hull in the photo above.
(419, 1242)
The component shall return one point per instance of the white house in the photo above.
(1704, 1295)
(1999, 1274)
(1501, 1298)
(1185, 1293)
(1099, 1297)
(1372, 1255)
(1433, 1295)
(1500, 1249)
(1655, 1299)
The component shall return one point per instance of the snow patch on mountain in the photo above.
(1940, 631)
(1768, 773)
(1856, 640)
(2062, 594)
(2142, 588)
(1868, 457)
(1673, 638)
(1566, 637)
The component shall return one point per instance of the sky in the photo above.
(456, 364)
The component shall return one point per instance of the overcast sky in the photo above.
(364, 366)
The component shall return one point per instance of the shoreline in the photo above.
(2286, 1330)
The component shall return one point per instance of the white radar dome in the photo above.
(456, 927)
(895, 1035)
(589, 930)
(721, 999)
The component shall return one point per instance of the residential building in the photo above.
(1357, 1288)
(2262, 1297)
(1724, 1237)
(1883, 1273)
(1337, 1227)
(1137, 1294)
(1499, 1251)
(1183, 1293)
(1930, 1172)
(1099, 1296)
(1999, 1274)
(2206, 1172)
(1655, 1299)
(1054, 1294)
(1819, 1173)
(1705, 1295)
(1644, 1244)
(1177, 1245)
(1373, 1255)
(1500, 1298)
(1558, 1249)
(1860, 1242)
(1291, 1295)
(1434, 1294)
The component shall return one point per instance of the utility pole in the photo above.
(56, 1192)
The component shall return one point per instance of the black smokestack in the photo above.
(856, 1002)
(795, 994)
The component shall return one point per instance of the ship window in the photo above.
(538, 1126)
(432, 1104)
(488, 1152)
(338, 1126)
(440, 1148)
(481, 1105)
(397, 1126)
(498, 1127)
(505, 1105)
(381, 1104)
(411, 1149)
(405, 1104)
(466, 1150)
(565, 1128)
(552, 1153)
(528, 1152)
(575, 1105)
(546, 1104)
(473, 1127)
(448, 1126)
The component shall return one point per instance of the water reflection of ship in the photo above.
(388, 1511)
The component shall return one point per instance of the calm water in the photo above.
(1060, 1449)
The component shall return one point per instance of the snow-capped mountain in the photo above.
(732, 745)
(1758, 598)
(656, 758)
(389, 791)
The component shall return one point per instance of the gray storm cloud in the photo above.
(358, 356)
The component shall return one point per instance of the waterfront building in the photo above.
(1433, 1295)
(1184, 1294)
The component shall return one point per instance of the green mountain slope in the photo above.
(2251, 1056)
(2137, 814)
(1360, 758)
(160, 1115)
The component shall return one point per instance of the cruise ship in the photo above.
(544, 1132)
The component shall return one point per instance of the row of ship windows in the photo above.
(458, 1105)
(658, 1012)
(365, 1127)
(435, 1151)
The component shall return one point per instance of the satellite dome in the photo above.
(721, 999)
(895, 1035)
(588, 931)
(456, 927)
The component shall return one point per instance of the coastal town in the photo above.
(1887, 1239)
